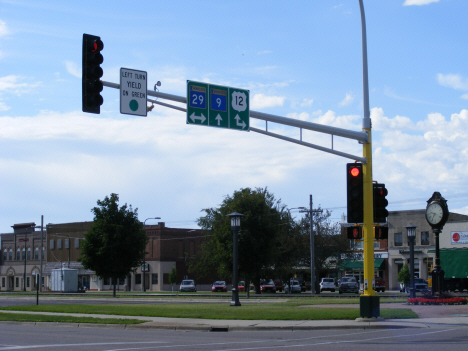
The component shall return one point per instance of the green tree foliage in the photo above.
(116, 242)
(404, 275)
(329, 244)
(265, 237)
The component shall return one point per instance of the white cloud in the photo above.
(11, 84)
(349, 98)
(464, 96)
(73, 69)
(264, 52)
(3, 106)
(454, 81)
(307, 102)
(260, 101)
(418, 2)
(3, 29)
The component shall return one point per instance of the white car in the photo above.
(188, 285)
(295, 287)
(327, 284)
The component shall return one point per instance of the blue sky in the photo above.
(299, 59)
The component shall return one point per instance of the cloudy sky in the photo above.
(298, 59)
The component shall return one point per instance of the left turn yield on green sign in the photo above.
(133, 92)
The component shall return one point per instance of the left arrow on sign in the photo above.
(194, 117)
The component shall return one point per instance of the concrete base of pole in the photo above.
(369, 306)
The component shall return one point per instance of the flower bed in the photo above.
(438, 301)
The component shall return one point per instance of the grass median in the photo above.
(292, 310)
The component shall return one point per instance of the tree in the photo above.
(116, 242)
(263, 230)
(404, 276)
(329, 244)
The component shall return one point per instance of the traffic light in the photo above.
(91, 72)
(380, 233)
(380, 203)
(354, 178)
(354, 233)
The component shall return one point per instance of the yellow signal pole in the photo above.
(369, 302)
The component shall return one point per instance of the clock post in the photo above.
(436, 215)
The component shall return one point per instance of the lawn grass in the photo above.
(23, 317)
(271, 311)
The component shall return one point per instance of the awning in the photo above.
(350, 265)
(454, 262)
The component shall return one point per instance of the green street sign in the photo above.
(217, 106)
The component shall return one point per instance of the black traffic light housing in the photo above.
(354, 233)
(355, 191)
(380, 203)
(91, 73)
(380, 233)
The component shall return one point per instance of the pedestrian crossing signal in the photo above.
(354, 233)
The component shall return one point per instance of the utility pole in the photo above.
(311, 211)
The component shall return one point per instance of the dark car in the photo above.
(267, 286)
(348, 285)
(278, 285)
(219, 285)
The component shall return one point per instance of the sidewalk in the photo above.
(263, 325)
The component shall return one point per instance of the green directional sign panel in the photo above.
(217, 106)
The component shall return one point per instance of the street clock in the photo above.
(437, 211)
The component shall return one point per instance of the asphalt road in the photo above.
(62, 337)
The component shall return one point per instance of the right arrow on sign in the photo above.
(240, 122)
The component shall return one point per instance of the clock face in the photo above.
(434, 213)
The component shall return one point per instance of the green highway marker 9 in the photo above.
(218, 106)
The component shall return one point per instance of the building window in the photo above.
(42, 253)
(36, 253)
(3, 282)
(18, 254)
(154, 278)
(17, 282)
(10, 255)
(424, 238)
(23, 255)
(59, 244)
(27, 281)
(52, 244)
(5, 255)
(138, 278)
(77, 243)
(28, 254)
(398, 239)
(67, 243)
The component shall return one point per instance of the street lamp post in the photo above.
(235, 227)
(143, 271)
(411, 233)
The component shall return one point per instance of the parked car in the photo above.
(188, 285)
(267, 286)
(295, 287)
(305, 286)
(348, 284)
(379, 284)
(327, 284)
(219, 285)
(241, 286)
(420, 285)
(278, 285)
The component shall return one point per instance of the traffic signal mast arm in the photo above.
(359, 136)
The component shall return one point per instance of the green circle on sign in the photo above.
(133, 105)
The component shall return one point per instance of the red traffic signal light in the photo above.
(355, 192)
(354, 233)
(380, 233)
(91, 73)
(380, 203)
